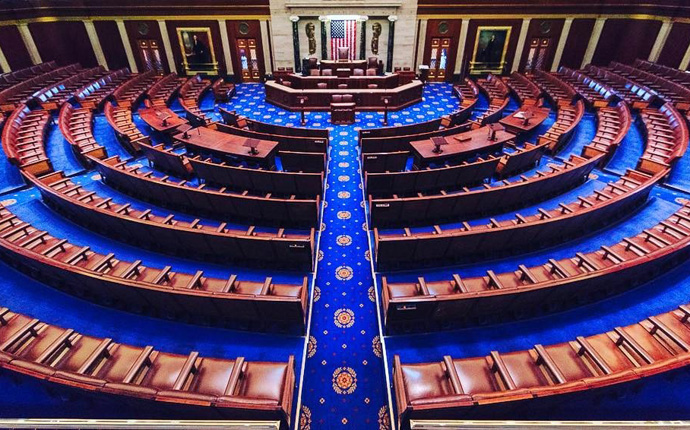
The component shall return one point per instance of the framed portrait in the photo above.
(490, 48)
(196, 46)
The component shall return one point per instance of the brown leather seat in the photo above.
(371, 72)
(342, 109)
(357, 72)
(344, 53)
(327, 72)
(372, 86)
(314, 72)
(342, 86)
(322, 85)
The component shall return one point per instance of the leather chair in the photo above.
(321, 85)
(357, 72)
(344, 53)
(327, 72)
(342, 86)
(371, 72)
(372, 62)
(314, 72)
(372, 86)
(342, 109)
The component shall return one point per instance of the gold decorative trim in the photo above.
(207, 30)
(498, 70)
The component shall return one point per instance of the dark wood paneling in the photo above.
(453, 32)
(472, 36)
(625, 40)
(13, 47)
(676, 45)
(111, 44)
(576, 45)
(64, 41)
(147, 30)
(543, 28)
(215, 36)
(234, 34)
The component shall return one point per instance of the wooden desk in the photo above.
(478, 143)
(516, 125)
(153, 117)
(334, 64)
(206, 140)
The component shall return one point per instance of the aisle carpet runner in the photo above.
(344, 379)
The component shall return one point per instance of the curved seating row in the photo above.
(671, 92)
(166, 234)
(18, 94)
(180, 384)
(613, 123)
(498, 94)
(637, 96)
(131, 285)
(75, 125)
(13, 78)
(52, 97)
(266, 208)
(523, 233)
(400, 130)
(666, 133)
(94, 95)
(222, 90)
(127, 133)
(526, 91)
(168, 160)
(529, 291)
(23, 139)
(492, 198)
(132, 90)
(190, 95)
(596, 94)
(289, 138)
(559, 91)
(468, 93)
(494, 385)
(162, 92)
(568, 117)
(674, 75)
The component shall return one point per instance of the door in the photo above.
(438, 59)
(150, 55)
(539, 48)
(248, 60)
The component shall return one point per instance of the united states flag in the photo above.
(343, 34)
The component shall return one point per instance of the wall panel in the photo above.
(625, 40)
(253, 31)
(543, 28)
(64, 41)
(111, 44)
(145, 30)
(676, 45)
(175, 44)
(576, 45)
(13, 47)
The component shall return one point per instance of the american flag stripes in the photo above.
(343, 34)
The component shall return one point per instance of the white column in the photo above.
(166, 46)
(265, 45)
(465, 27)
(593, 41)
(686, 60)
(128, 47)
(3, 63)
(660, 41)
(29, 42)
(561, 44)
(521, 44)
(95, 43)
(421, 41)
(225, 43)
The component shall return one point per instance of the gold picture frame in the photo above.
(196, 47)
(484, 54)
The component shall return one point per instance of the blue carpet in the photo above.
(10, 179)
(105, 135)
(680, 175)
(583, 135)
(629, 151)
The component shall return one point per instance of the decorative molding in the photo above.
(95, 43)
(265, 45)
(660, 41)
(524, 29)
(593, 41)
(686, 60)
(166, 45)
(349, 4)
(561, 44)
(460, 56)
(29, 43)
(128, 46)
(421, 42)
(3, 63)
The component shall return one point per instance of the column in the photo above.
(561, 44)
(363, 39)
(324, 38)
(460, 57)
(295, 42)
(660, 41)
(421, 41)
(95, 43)
(593, 41)
(225, 43)
(686, 60)
(29, 43)
(266, 44)
(524, 29)
(166, 45)
(128, 46)
(391, 42)
(3, 63)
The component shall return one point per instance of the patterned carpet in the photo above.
(344, 377)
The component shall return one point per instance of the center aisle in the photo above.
(344, 385)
